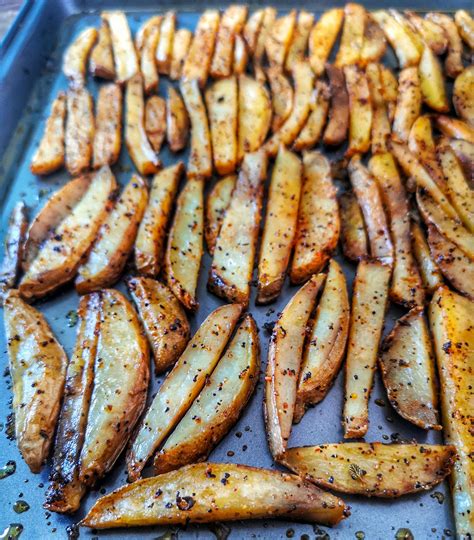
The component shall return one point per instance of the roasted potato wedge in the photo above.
(322, 38)
(463, 95)
(373, 469)
(80, 130)
(182, 385)
(360, 107)
(151, 236)
(181, 43)
(324, 352)
(125, 55)
(381, 128)
(252, 28)
(115, 238)
(148, 67)
(408, 103)
(313, 129)
(279, 38)
(338, 123)
(408, 29)
(144, 30)
(185, 244)
(280, 225)
(108, 126)
(432, 84)
(408, 372)
(369, 302)
(389, 90)
(451, 318)
(101, 61)
(283, 365)
(37, 368)
(164, 320)
(282, 96)
(318, 224)
(353, 234)
(465, 153)
(352, 38)
(208, 420)
(177, 121)
(374, 44)
(216, 205)
(299, 41)
(429, 271)
(453, 62)
(465, 26)
(155, 121)
(431, 33)
(76, 56)
(165, 44)
(455, 128)
(258, 53)
(247, 493)
(241, 56)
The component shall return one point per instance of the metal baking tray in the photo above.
(30, 76)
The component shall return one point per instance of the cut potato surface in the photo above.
(217, 203)
(125, 55)
(76, 55)
(108, 126)
(101, 62)
(429, 271)
(322, 38)
(338, 123)
(353, 234)
(177, 121)
(155, 121)
(80, 130)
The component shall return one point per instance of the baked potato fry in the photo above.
(455, 128)
(465, 26)
(464, 151)
(299, 41)
(313, 129)
(208, 419)
(326, 344)
(216, 205)
(409, 29)
(280, 225)
(463, 95)
(353, 234)
(182, 385)
(247, 493)
(318, 225)
(185, 247)
(108, 126)
(76, 56)
(352, 38)
(429, 271)
(165, 43)
(373, 469)
(144, 30)
(269, 18)
(451, 318)
(241, 56)
(374, 43)
(322, 38)
(252, 28)
(279, 38)
(37, 368)
(151, 236)
(338, 123)
(369, 302)
(148, 67)
(408, 103)
(101, 61)
(389, 89)
(177, 121)
(360, 107)
(453, 62)
(80, 130)
(181, 43)
(163, 318)
(155, 121)
(381, 129)
(282, 96)
(431, 33)
(283, 365)
(432, 84)
(114, 241)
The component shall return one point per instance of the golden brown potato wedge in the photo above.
(451, 318)
(163, 318)
(299, 41)
(76, 55)
(222, 111)
(465, 26)
(80, 129)
(455, 128)
(252, 28)
(326, 343)
(182, 385)
(108, 126)
(234, 253)
(198, 60)
(219, 404)
(431, 33)
(352, 38)
(101, 62)
(353, 234)
(432, 84)
(185, 244)
(177, 121)
(200, 157)
(216, 205)
(453, 62)
(155, 121)
(165, 44)
(408, 29)
(463, 95)
(389, 89)
(283, 365)
(360, 110)
(241, 56)
(318, 224)
(322, 38)
(374, 44)
(37, 368)
(151, 236)
(429, 271)
(381, 129)
(235, 492)
(144, 30)
(66, 245)
(373, 469)
(279, 38)
(258, 53)
(148, 67)
(465, 153)
(282, 96)
(408, 372)
(280, 225)
(49, 156)
(114, 241)
(313, 129)
(181, 43)
(369, 302)
(408, 103)
(338, 123)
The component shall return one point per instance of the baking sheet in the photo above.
(28, 63)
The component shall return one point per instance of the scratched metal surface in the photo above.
(30, 76)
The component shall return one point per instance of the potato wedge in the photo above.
(148, 67)
(182, 385)
(360, 107)
(252, 28)
(313, 129)
(322, 38)
(163, 318)
(323, 354)
(198, 60)
(258, 53)
(177, 121)
(200, 158)
(353, 234)
(151, 236)
(241, 56)
(64, 249)
(455, 128)
(227, 488)
(408, 372)
(352, 38)
(299, 41)
(222, 110)
(234, 252)
(216, 205)
(282, 96)
(374, 44)
(381, 129)
(406, 287)
(76, 56)
(231, 24)
(165, 44)
(369, 302)
(429, 271)
(432, 84)
(208, 420)
(280, 225)
(465, 26)
(108, 126)
(451, 318)
(49, 156)
(120, 386)
(453, 62)
(389, 89)
(338, 123)
(125, 55)
(255, 115)
(465, 153)
(185, 247)
(318, 224)
(279, 38)
(65, 490)
(155, 121)
(114, 241)
(408, 103)
(283, 365)
(101, 61)
(181, 43)
(143, 31)
(431, 33)
(37, 368)
(373, 469)
(140, 150)
(409, 29)
(463, 95)
(80, 130)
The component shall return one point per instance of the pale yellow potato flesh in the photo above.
(463, 95)
(144, 30)
(101, 61)
(108, 126)
(241, 56)
(299, 41)
(165, 44)
(312, 131)
(360, 110)
(381, 128)
(280, 225)
(369, 303)
(148, 67)
(181, 43)
(353, 234)
(155, 121)
(455, 128)
(338, 122)
(352, 38)
(76, 56)
(408, 107)
(453, 64)
(282, 96)
(322, 38)
(125, 55)
(283, 365)
(80, 130)
(429, 271)
(182, 385)
(432, 33)
(374, 44)
(37, 367)
(216, 205)
(258, 53)
(279, 38)
(389, 89)
(464, 151)
(408, 29)
(177, 121)
(251, 29)
(432, 83)
(465, 25)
